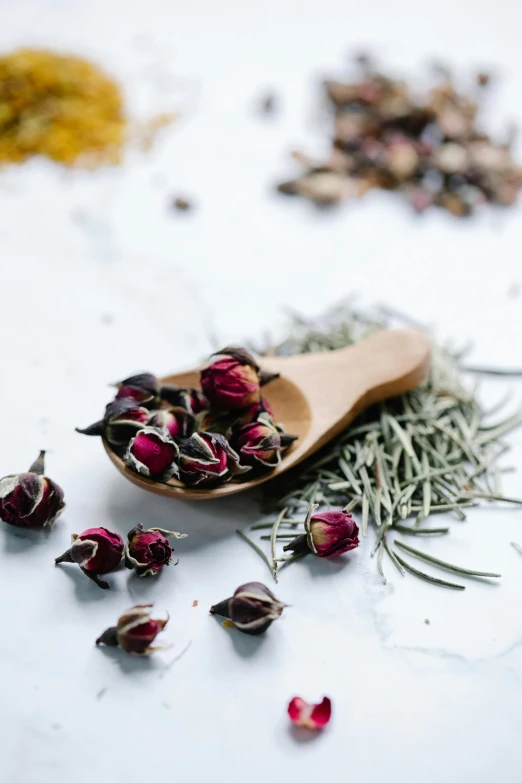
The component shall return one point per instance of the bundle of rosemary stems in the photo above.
(430, 451)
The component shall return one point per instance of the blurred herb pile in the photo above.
(430, 451)
(431, 149)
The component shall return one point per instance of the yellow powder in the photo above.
(63, 107)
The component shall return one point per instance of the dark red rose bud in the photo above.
(206, 459)
(135, 632)
(258, 444)
(193, 400)
(177, 421)
(122, 420)
(153, 453)
(148, 551)
(97, 551)
(143, 388)
(30, 499)
(328, 534)
(253, 412)
(252, 608)
(232, 379)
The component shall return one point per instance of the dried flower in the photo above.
(153, 453)
(135, 632)
(310, 716)
(30, 499)
(122, 420)
(253, 412)
(252, 608)
(259, 444)
(143, 388)
(193, 400)
(233, 379)
(206, 459)
(328, 534)
(97, 551)
(147, 551)
(176, 420)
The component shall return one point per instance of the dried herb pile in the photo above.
(63, 107)
(432, 150)
(430, 451)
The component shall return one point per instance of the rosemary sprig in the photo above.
(432, 450)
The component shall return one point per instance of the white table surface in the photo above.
(100, 279)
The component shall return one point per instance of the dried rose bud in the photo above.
(310, 716)
(206, 459)
(177, 421)
(253, 412)
(193, 400)
(328, 534)
(30, 499)
(252, 608)
(135, 632)
(233, 379)
(259, 444)
(122, 420)
(147, 551)
(143, 388)
(97, 551)
(153, 453)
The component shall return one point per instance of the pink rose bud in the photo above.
(206, 459)
(30, 499)
(310, 716)
(143, 388)
(122, 420)
(177, 421)
(252, 608)
(97, 551)
(232, 379)
(193, 400)
(328, 534)
(153, 453)
(147, 551)
(135, 632)
(259, 444)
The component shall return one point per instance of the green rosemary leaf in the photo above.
(434, 580)
(442, 563)
(379, 562)
(256, 548)
(517, 547)
(425, 531)
(395, 560)
(273, 540)
(365, 512)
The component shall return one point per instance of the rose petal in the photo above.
(310, 716)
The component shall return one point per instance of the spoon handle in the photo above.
(340, 384)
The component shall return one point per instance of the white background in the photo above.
(99, 279)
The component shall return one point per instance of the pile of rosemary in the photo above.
(430, 451)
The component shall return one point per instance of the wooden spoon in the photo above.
(316, 397)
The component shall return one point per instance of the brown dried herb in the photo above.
(431, 151)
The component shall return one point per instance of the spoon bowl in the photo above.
(315, 397)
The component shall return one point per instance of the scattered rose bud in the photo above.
(310, 716)
(176, 420)
(193, 400)
(30, 499)
(147, 551)
(135, 632)
(252, 608)
(144, 389)
(328, 534)
(259, 444)
(233, 379)
(152, 453)
(122, 420)
(97, 551)
(206, 459)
